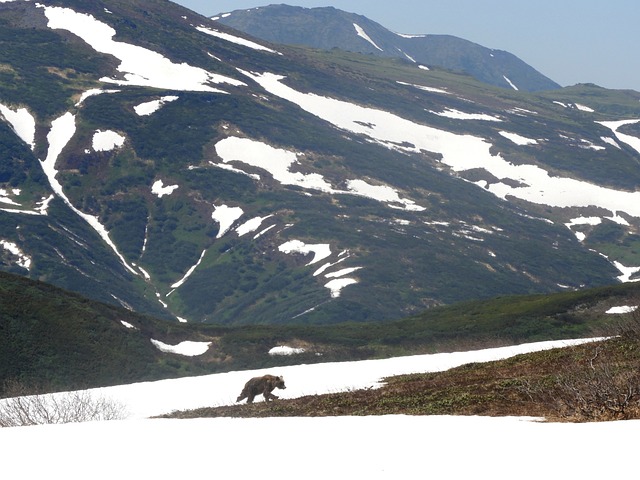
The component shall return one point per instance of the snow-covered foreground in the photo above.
(394, 446)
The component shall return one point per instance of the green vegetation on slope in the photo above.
(58, 340)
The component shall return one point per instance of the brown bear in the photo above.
(261, 385)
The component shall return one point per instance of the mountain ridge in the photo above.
(328, 27)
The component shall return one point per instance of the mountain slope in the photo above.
(164, 162)
(52, 339)
(327, 28)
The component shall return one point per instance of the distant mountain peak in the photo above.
(328, 27)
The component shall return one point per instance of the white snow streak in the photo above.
(237, 40)
(92, 92)
(510, 83)
(180, 282)
(423, 87)
(458, 115)
(22, 123)
(62, 130)
(139, 66)
(361, 33)
(186, 348)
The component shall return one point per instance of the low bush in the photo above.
(26, 408)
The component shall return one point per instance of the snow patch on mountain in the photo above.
(459, 152)
(41, 206)
(622, 309)
(338, 284)
(226, 217)
(518, 139)
(279, 163)
(610, 141)
(23, 260)
(186, 348)
(320, 251)
(626, 272)
(328, 265)
(160, 190)
(22, 123)
(106, 140)
(285, 350)
(633, 142)
(584, 108)
(408, 57)
(343, 272)
(251, 225)
(147, 108)
(592, 221)
(276, 161)
(382, 193)
(140, 66)
(4, 196)
(259, 234)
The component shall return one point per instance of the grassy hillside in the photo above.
(590, 382)
(57, 340)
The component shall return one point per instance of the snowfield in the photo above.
(373, 447)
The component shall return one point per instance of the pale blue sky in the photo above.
(569, 41)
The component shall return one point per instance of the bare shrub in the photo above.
(629, 326)
(23, 408)
(600, 394)
(626, 325)
(606, 387)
